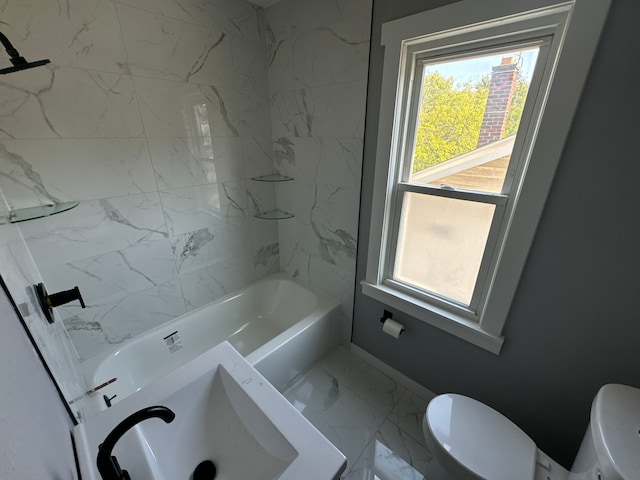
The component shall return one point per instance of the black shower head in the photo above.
(23, 66)
(19, 63)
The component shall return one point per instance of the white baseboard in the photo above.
(402, 379)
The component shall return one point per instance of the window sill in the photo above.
(449, 322)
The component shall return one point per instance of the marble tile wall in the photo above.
(318, 64)
(154, 114)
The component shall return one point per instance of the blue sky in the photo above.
(473, 69)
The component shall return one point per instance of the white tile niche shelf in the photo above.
(276, 213)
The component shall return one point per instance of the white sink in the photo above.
(226, 412)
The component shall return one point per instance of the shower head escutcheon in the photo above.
(19, 63)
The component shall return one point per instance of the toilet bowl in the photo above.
(471, 441)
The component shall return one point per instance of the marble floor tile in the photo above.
(344, 418)
(378, 390)
(391, 455)
(343, 365)
(408, 414)
(345, 397)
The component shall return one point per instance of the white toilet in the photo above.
(471, 441)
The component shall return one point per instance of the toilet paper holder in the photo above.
(390, 326)
(386, 314)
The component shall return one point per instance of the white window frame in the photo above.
(573, 28)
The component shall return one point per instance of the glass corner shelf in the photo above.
(276, 214)
(23, 214)
(274, 177)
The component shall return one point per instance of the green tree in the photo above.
(449, 119)
(451, 115)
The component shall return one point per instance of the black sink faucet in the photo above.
(108, 464)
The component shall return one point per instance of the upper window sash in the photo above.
(413, 90)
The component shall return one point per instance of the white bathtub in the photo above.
(279, 326)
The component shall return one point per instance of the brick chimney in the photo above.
(501, 88)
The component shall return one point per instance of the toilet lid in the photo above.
(479, 439)
(615, 420)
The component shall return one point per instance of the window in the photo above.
(458, 168)
(477, 101)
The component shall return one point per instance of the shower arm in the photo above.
(19, 62)
(16, 59)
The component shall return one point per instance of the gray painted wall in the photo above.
(573, 324)
(35, 438)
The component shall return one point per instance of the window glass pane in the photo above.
(468, 118)
(440, 244)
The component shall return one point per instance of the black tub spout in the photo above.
(108, 465)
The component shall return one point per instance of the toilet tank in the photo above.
(610, 449)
